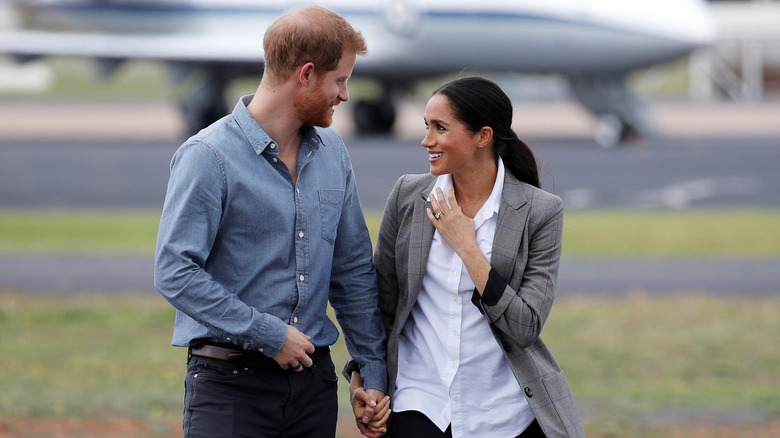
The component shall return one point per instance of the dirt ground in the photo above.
(133, 428)
(107, 428)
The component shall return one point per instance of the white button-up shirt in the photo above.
(450, 367)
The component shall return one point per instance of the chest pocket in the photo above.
(331, 201)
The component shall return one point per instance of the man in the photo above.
(261, 228)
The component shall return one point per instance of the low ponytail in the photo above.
(518, 158)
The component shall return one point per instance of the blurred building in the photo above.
(744, 62)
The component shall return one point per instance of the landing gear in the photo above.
(611, 131)
(206, 105)
(374, 117)
(620, 115)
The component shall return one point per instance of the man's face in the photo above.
(315, 106)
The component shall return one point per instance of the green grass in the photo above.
(665, 233)
(628, 361)
(594, 233)
(79, 79)
(631, 361)
(641, 355)
(77, 231)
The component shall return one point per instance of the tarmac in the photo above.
(156, 121)
(744, 278)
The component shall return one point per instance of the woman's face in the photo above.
(451, 147)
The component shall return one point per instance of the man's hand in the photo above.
(295, 351)
(371, 408)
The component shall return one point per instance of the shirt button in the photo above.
(275, 160)
(300, 234)
(301, 277)
(297, 190)
(295, 320)
(272, 145)
(260, 350)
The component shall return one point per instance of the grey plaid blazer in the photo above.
(526, 253)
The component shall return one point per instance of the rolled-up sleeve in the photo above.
(353, 290)
(188, 228)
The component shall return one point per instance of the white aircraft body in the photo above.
(593, 43)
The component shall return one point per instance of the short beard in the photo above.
(313, 108)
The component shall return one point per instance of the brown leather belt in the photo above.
(251, 359)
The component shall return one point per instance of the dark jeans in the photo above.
(414, 424)
(227, 400)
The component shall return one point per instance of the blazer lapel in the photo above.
(512, 218)
(420, 242)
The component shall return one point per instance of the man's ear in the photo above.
(306, 74)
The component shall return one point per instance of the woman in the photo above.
(468, 253)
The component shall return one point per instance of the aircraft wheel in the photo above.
(374, 117)
(610, 131)
(198, 117)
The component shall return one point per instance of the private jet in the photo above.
(594, 44)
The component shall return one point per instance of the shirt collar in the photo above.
(258, 138)
(493, 202)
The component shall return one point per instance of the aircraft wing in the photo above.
(175, 47)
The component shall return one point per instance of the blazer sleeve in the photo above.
(384, 258)
(527, 296)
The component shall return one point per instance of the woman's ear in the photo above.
(484, 136)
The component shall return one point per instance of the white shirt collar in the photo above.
(491, 205)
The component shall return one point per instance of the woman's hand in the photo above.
(458, 231)
(456, 228)
(371, 408)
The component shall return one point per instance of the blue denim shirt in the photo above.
(242, 251)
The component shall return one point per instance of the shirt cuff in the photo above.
(270, 337)
(494, 289)
(349, 368)
(374, 376)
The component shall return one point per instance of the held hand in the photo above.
(378, 422)
(456, 228)
(295, 351)
(371, 417)
(371, 408)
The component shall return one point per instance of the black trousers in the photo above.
(414, 424)
(223, 399)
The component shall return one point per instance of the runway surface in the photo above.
(656, 173)
(53, 274)
(672, 172)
